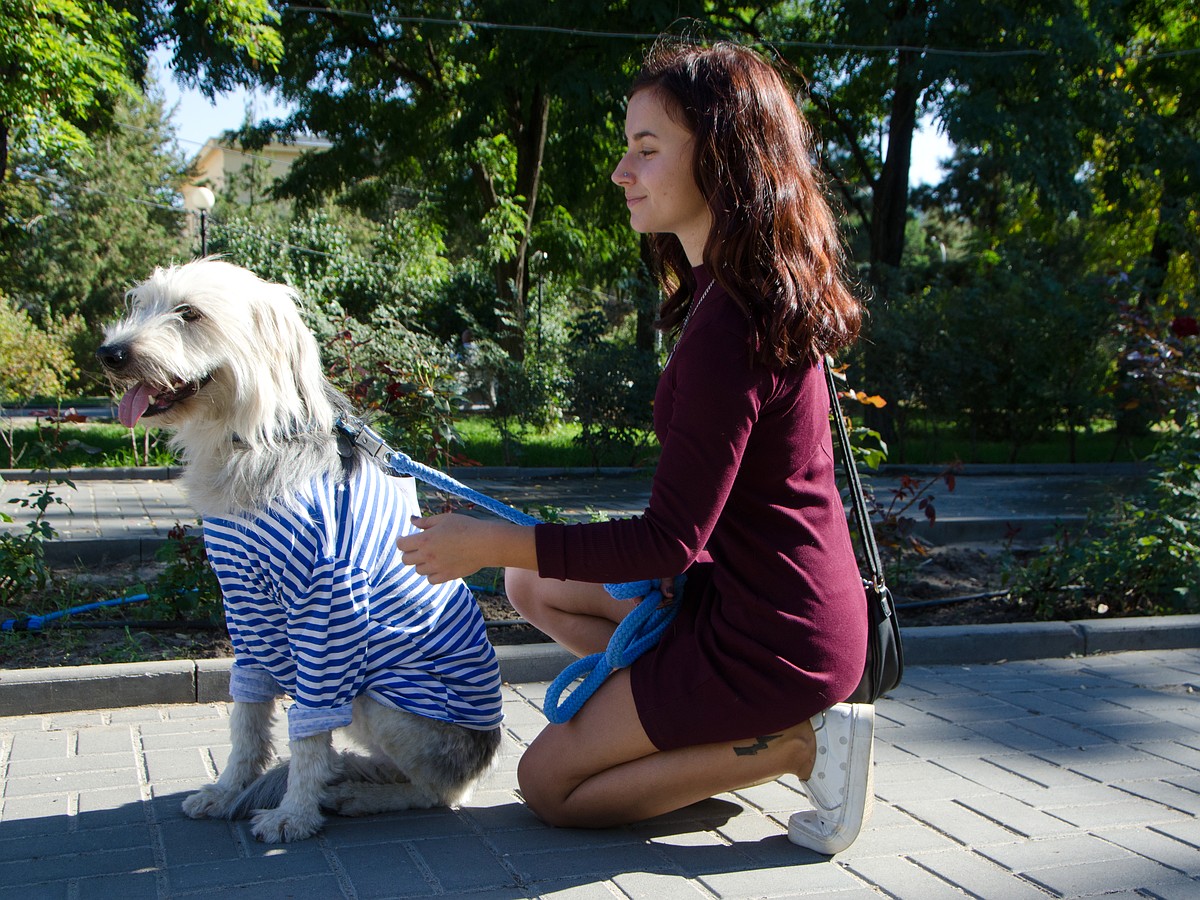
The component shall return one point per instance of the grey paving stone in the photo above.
(1009, 737)
(1156, 846)
(977, 876)
(957, 823)
(53, 890)
(299, 860)
(658, 886)
(1018, 817)
(781, 881)
(1086, 880)
(923, 780)
(946, 799)
(72, 843)
(140, 886)
(600, 862)
(116, 861)
(1054, 852)
(904, 878)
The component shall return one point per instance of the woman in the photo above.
(771, 631)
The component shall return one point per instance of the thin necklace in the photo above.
(683, 328)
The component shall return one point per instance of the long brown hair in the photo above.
(774, 245)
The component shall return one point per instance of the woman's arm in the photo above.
(450, 546)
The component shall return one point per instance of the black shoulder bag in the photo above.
(885, 652)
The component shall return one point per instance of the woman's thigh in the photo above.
(536, 598)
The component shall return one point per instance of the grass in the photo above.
(1101, 445)
(551, 447)
(83, 445)
(105, 445)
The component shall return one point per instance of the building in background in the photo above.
(244, 177)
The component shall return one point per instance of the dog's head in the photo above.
(211, 346)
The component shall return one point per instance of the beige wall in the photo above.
(216, 162)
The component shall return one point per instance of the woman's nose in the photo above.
(621, 174)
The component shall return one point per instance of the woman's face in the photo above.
(656, 175)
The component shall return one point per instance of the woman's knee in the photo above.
(521, 588)
(540, 788)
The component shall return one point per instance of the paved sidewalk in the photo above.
(127, 514)
(1061, 778)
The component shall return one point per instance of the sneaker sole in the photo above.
(805, 829)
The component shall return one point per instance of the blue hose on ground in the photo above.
(637, 633)
(35, 623)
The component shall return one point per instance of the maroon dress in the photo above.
(772, 624)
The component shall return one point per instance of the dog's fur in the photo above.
(224, 360)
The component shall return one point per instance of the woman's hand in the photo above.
(450, 546)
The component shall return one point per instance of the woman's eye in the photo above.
(187, 313)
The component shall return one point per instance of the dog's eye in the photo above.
(187, 313)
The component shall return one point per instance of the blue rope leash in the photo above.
(637, 632)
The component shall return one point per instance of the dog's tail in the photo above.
(265, 792)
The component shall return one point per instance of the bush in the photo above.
(612, 396)
(1007, 342)
(1140, 558)
(33, 361)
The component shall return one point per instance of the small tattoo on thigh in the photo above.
(759, 744)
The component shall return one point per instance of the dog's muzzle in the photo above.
(142, 398)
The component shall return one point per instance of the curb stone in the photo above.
(36, 691)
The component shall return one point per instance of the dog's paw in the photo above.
(210, 802)
(281, 826)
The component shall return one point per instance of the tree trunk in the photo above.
(889, 207)
(530, 125)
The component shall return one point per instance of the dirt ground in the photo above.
(947, 572)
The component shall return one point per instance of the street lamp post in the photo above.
(539, 262)
(203, 201)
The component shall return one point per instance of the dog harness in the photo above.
(639, 630)
(321, 607)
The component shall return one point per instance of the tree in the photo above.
(473, 106)
(91, 229)
(65, 64)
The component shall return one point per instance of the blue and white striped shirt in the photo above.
(321, 607)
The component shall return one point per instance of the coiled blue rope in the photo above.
(637, 632)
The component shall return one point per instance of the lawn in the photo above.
(105, 444)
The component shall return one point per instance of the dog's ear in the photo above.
(301, 386)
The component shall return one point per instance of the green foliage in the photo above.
(186, 588)
(1009, 341)
(23, 569)
(362, 286)
(612, 396)
(86, 444)
(33, 361)
(82, 231)
(65, 66)
(1139, 558)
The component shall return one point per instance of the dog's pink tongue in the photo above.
(135, 402)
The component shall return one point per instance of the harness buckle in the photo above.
(364, 436)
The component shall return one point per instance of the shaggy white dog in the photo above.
(301, 532)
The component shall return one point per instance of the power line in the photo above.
(650, 36)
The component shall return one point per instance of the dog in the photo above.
(301, 531)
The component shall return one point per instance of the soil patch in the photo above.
(124, 634)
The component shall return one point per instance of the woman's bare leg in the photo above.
(600, 769)
(581, 617)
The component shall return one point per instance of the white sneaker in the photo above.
(842, 783)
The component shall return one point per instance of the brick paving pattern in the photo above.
(1054, 778)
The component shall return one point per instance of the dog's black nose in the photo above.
(113, 356)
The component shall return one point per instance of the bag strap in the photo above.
(858, 501)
